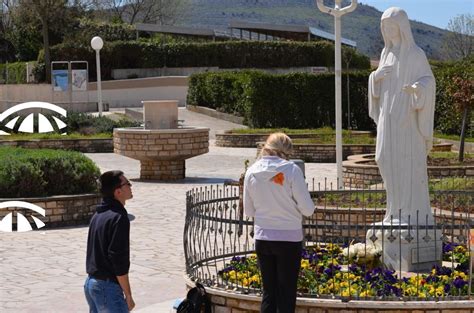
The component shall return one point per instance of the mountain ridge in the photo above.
(362, 25)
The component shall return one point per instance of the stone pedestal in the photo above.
(162, 152)
(409, 251)
(160, 114)
(162, 170)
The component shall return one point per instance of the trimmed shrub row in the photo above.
(448, 119)
(44, 172)
(302, 100)
(227, 54)
(88, 124)
(297, 100)
(13, 73)
(86, 29)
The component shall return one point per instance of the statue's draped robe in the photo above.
(404, 132)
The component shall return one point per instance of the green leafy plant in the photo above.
(44, 172)
(224, 54)
(296, 100)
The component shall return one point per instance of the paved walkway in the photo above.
(44, 271)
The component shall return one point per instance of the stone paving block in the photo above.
(222, 309)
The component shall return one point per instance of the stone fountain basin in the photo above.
(161, 144)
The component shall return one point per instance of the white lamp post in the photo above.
(97, 43)
(337, 12)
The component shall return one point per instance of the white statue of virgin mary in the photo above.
(401, 102)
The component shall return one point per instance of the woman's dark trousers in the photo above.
(279, 263)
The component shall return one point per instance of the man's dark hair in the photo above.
(109, 181)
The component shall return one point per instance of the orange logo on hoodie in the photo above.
(279, 178)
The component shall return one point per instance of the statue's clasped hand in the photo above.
(383, 71)
(411, 89)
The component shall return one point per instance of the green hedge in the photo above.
(86, 29)
(88, 124)
(13, 73)
(43, 172)
(297, 100)
(302, 100)
(448, 119)
(227, 54)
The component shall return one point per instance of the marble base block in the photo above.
(413, 252)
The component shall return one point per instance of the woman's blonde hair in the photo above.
(277, 144)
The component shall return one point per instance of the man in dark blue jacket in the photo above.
(107, 288)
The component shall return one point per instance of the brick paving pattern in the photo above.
(44, 271)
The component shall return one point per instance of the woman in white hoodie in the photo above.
(276, 196)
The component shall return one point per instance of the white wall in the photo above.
(117, 93)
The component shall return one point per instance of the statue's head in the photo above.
(394, 23)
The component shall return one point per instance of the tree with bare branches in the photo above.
(462, 92)
(459, 42)
(163, 12)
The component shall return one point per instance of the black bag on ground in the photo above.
(195, 300)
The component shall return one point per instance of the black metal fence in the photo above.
(347, 254)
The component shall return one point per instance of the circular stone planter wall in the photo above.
(60, 210)
(326, 153)
(361, 170)
(81, 145)
(320, 153)
(161, 152)
(224, 301)
(229, 139)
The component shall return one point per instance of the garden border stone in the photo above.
(216, 114)
(227, 301)
(323, 153)
(229, 139)
(357, 173)
(67, 210)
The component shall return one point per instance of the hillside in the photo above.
(362, 25)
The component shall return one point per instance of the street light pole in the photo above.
(338, 12)
(97, 44)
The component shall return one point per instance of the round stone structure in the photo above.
(161, 152)
(229, 301)
(361, 170)
(60, 211)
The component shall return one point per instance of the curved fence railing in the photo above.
(346, 250)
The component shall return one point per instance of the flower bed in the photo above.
(355, 273)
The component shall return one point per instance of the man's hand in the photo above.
(130, 302)
(127, 291)
(383, 71)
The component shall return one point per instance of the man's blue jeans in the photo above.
(104, 296)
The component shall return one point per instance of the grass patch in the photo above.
(264, 131)
(377, 199)
(449, 155)
(325, 135)
(452, 183)
(331, 139)
(56, 136)
(453, 137)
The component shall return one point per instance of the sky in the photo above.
(432, 12)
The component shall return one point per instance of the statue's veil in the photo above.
(400, 17)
